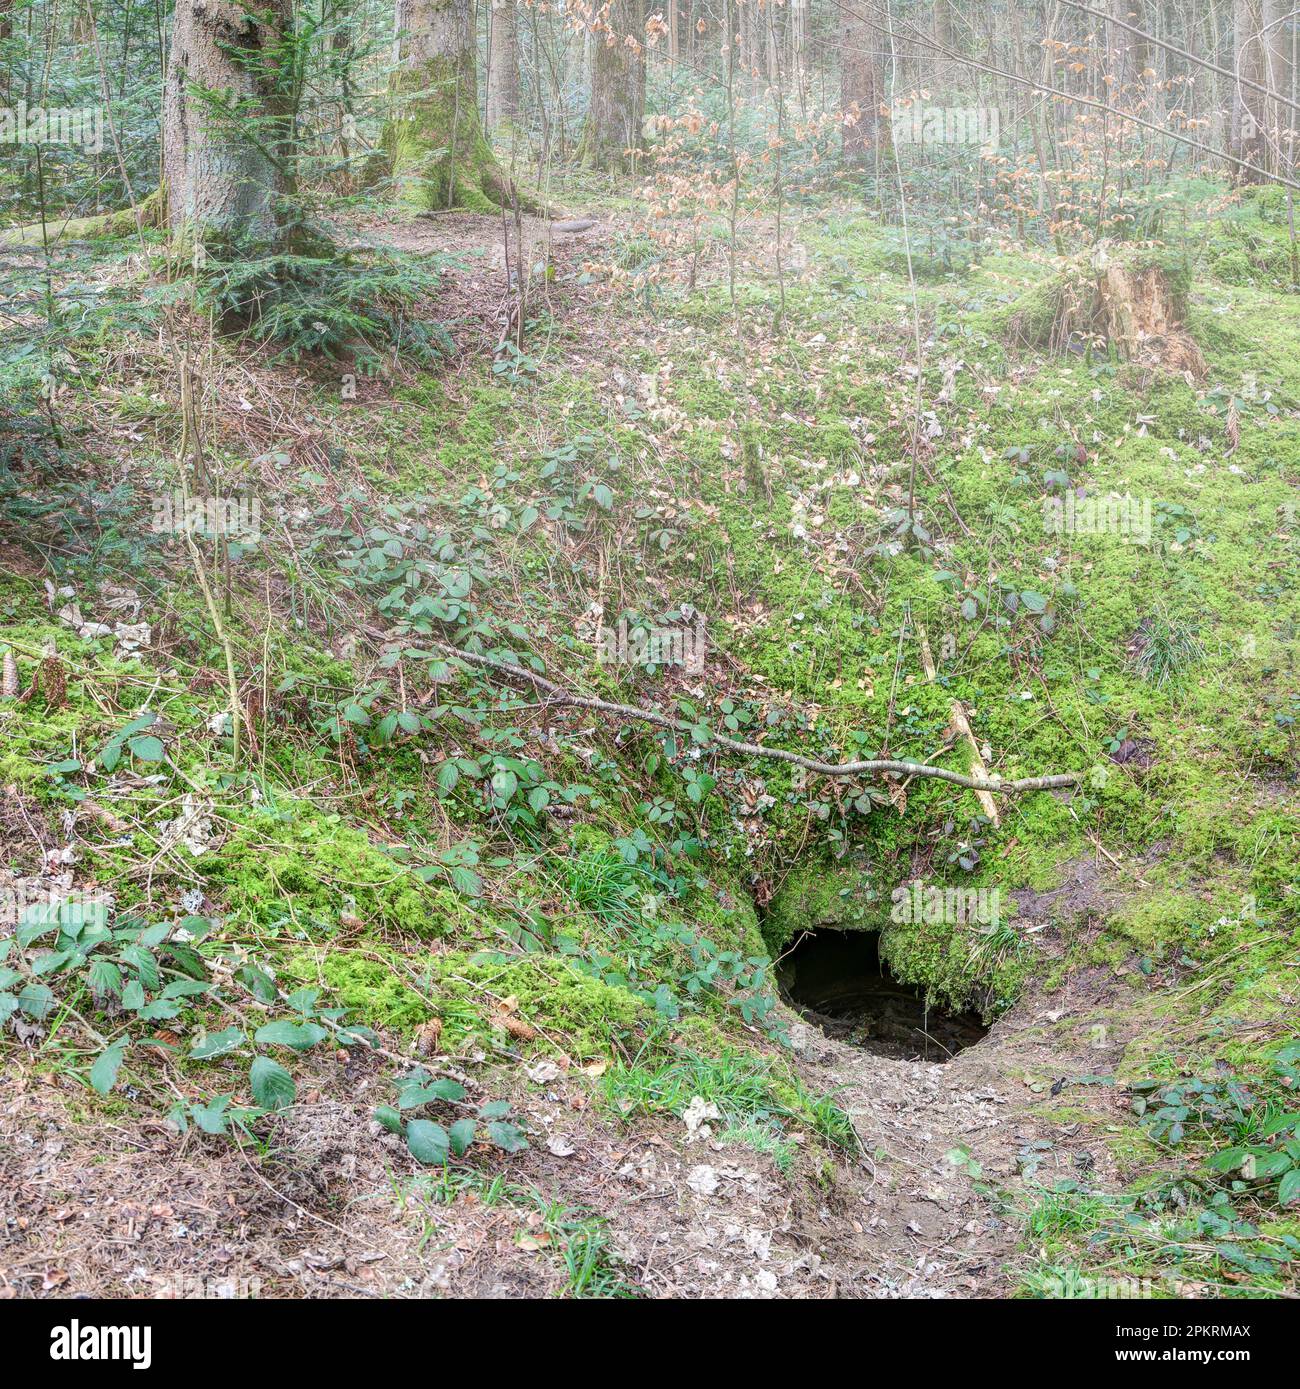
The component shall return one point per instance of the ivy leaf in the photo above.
(427, 1141)
(298, 1035)
(158, 1010)
(466, 882)
(211, 1118)
(147, 749)
(389, 1118)
(416, 1095)
(1034, 602)
(1288, 1189)
(103, 1074)
(258, 983)
(387, 727)
(272, 1085)
(508, 1137)
(217, 1044)
(36, 1000)
(505, 784)
(461, 1135)
(448, 776)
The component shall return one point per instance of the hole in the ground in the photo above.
(838, 981)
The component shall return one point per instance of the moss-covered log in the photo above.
(152, 213)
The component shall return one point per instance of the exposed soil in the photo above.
(338, 1207)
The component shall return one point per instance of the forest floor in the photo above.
(577, 925)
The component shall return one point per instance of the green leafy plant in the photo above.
(1164, 646)
(327, 301)
(433, 1143)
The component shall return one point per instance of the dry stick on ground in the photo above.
(191, 437)
(559, 695)
(962, 724)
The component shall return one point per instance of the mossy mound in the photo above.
(538, 999)
(1132, 301)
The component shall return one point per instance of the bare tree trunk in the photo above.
(1247, 117)
(223, 177)
(799, 50)
(617, 110)
(6, 32)
(862, 89)
(503, 68)
(434, 139)
(772, 45)
(1277, 77)
(1131, 52)
(747, 26)
(943, 35)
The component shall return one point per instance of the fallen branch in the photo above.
(559, 695)
(962, 724)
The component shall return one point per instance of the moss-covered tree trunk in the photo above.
(617, 110)
(434, 139)
(503, 68)
(223, 174)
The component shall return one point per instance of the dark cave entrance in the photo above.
(838, 982)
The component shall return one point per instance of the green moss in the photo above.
(817, 894)
(581, 1015)
(372, 990)
(301, 866)
(722, 911)
(437, 152)
(397, 992)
